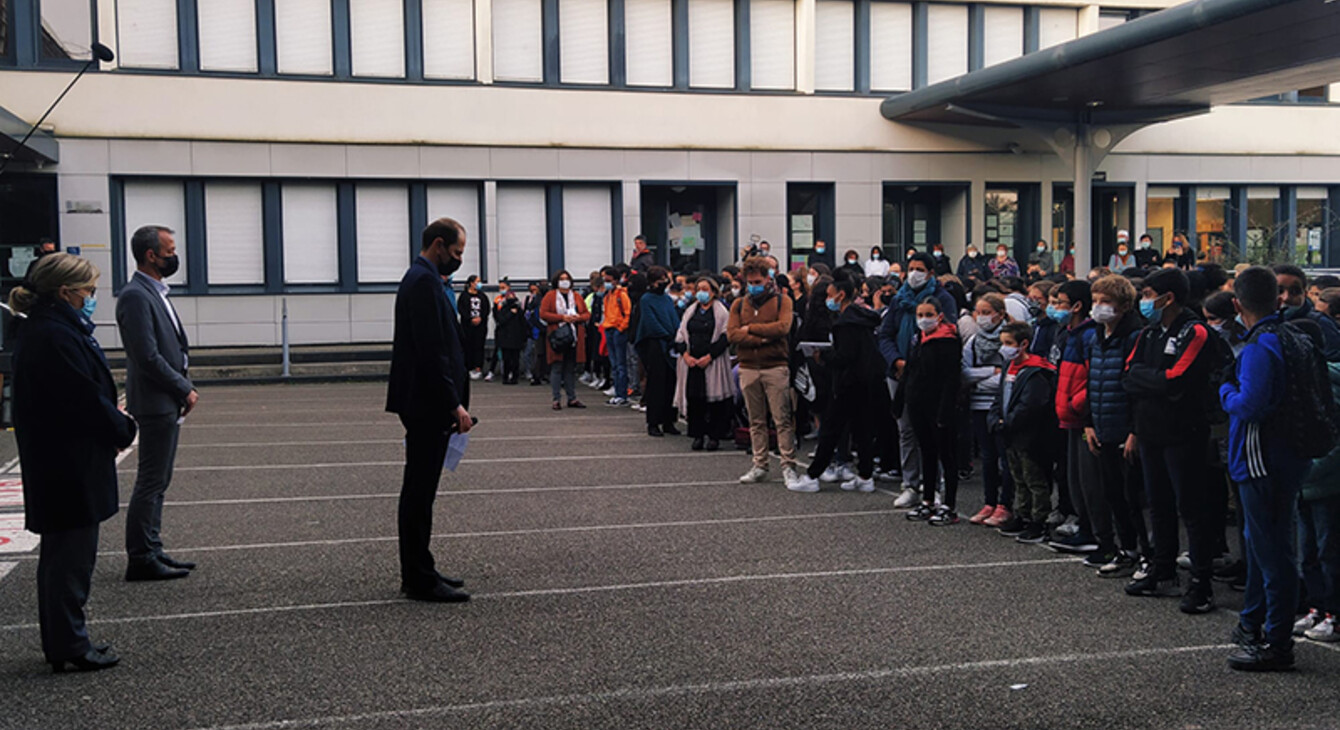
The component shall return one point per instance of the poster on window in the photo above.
(802, 223)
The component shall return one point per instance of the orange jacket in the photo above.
(617, 308)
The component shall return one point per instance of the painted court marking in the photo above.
(6, 568)
(11, 492)
(358, 442)
(13, 538)
(579, 590)
(387, 422)
(401, 463)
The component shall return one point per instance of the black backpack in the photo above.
(1307, 415)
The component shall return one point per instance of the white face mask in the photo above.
(986, 321)
(1009, 352)
(1000, 254)
(926, 324)
(811, 278)
(1042, 248)
(564, 284)
(1104, 313)
(972, 254)
(851, 260)
(917, 279)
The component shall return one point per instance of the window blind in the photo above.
(311, 234)
(382, 214)
(156, 204)
(834, 45)
(649, 53)
(946, 41)
(377, 37)
(1004, 34)
(522, 232)
(587, 229)
(449, 39)
(712, 43)
(1056, 26)
(890, 46)
(583, 28)
(772, 44)
(227, 30)
(303, 37)
(146, 33)
(517, 40)
(460, 203)
(234, 233)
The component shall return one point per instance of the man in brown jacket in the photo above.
(760, 328)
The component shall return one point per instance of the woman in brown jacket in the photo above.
(563, 308)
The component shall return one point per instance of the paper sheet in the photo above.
(456, 446)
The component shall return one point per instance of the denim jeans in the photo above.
(1319, 552)
(617, 344)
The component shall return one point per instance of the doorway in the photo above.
(1113, 210)
(920, 215)
(689, 225)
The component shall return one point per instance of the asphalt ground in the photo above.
(619, 581)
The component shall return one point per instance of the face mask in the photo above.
(1009, 352)
(1147, 308)
(917, 279)
(1238, 319)
(564, 284)
(833, 305)
(926, 324)
(756, 290)
(1291, 312)
(772, 273)
(1058, 315)
(609, 285)
(819, 249)
(167, 266)
(972, 254)
(704, 297)
(1042, 249)
(449, 267)
(1104, 313)
(851, 260)
(874, 256)
(1000, 254)
(986, 321)
(764, 251)
(659, 287)
(682, 302)
(1142, 244)
(811, 278)
(90, 304)
(735, 291)
(1121, 251)
(938, 254)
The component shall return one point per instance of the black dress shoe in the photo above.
(453, 582)
(697, 444)
(440, 593)
(152, 569)
(90, 662)
(654, 431)
(713, 444)
(174, 563)
(670, 430)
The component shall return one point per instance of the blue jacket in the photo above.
(1109, 406)
(899, 325)
(1253, 451)
(659, 320)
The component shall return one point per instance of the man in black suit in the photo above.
(429, 391)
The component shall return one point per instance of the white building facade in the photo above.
(298, 146)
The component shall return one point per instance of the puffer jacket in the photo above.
(1323, 482)
(1109, 407)
(1072, 379)
(1027, 420)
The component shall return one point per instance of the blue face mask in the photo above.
(772, 273)
(833, 305)
(682, 302)
(90, 304)
(1147, 309)
(704, 297)
(1060, 316)
(756, 290)
(1238, 319)
(609, 285)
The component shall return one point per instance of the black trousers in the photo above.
(660, 392)
(474, 340)
(710, 419)
(1122, 486)
(511, 360)
(1175, 483)
(64, 575)
(851, 410)
(425, 448)
(144, 515)
(939, 444)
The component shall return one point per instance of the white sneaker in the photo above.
(887, 476)
(609, 391)
(848, 473)
(489, 377)
(1069, 528)
(754, 476)
(858, 484)
(789, 475)
(585, 379)
(1307, 623)
(803, 483)
(831, 474)
(908, 498)
(1055, 518)
(1325, 631)
(476, 375)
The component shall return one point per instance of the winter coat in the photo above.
(510, 330)
(980, 376)
(898, 328)
(1323, 482)
(1072, 382)
(1027, 419)
(931, 380)
(1167, 376)
(1330, 331)
(973, 268)
(854, 360)
(1109, 407)
(1254, 450)
(550, 316)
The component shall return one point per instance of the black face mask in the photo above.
(659, 287)
(449, 267)
(168, 265)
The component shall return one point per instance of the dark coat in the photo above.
(931, 379)
(66, 421)
(1109, 406)
(510, 330)
(156, 350)
(1168, 383)
(428, 380)
(1028, 420)
(470, 306)
(854, 360)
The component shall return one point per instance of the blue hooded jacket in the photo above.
(899, 324)
(1253, 451)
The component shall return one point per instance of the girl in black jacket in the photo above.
(509, 334)
(474, 310)
(68, 429)
(930, 393)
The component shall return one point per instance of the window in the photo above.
(227, 31)
(303, 37)
(460, 203)
(1313, 95)
(146, 33)
(1160, 214)
(712, 43)
(67, 29)
(1312, 215)
(1056, 26)
(311, 234)
(772, 44)
(517, 40)
(834, 45)
(382, 213)
(377, 37)
(946, 42)
(234, 233)
(587, 229)
(890, 46)
(1112, 18)
(156, 204)
(1264, 230)
(583, 29)
(648, 46)
(449, 39)
(1004, 34)
(1212, 213)
(522, 238)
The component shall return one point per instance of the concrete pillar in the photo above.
(805, 40)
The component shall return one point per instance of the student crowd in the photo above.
(1104, 414)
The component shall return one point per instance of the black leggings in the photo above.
(938, 444)
(660, 392)
(849, 410)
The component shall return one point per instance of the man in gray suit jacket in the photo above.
(158, 395)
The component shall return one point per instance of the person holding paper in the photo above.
(429, 390)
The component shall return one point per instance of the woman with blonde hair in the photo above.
(69, 430)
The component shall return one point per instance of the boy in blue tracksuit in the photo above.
(1268, 474)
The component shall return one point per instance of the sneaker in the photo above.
(1199, 597)
(1307, 622)
(1098, 559)
(1262, 658)
(1075, 544)
(907, 498)
(1013, 527)
(1142, 571)
(943, 517)
(1231, 572)
(803, 483)
(789, 475)
(617, 401)
(1153, 586)
(831, 475)
(920, 513)
(999, 517)
(1069, 527)
(476, 375)
(1244, 638)
(982, 515)
(1326, 631)
(965, 474)
(888, 476)
(1055, 519)
(858, 484)
(754, 476)
(1121, 565)
(847, 473)
(1034, 534)
(1223, 561)
(586, 378)
(488, 378)
(640, 408)
(609, 391)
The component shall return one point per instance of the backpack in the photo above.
(1307, 415)
(1222, 365)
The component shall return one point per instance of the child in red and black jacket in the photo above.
(1072, 414)
(1024, 411)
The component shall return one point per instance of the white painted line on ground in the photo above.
(344, 408)
(11, 492)
(578, 590)
(401, 463)
(563, 418)
(473, 439)
(642, 694)
(443, 493)
(13, 538)
(9, 465)
(532, 531)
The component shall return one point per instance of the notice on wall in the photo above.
(1314, 239)
(802, 241)
(689, 238)
(802, 223)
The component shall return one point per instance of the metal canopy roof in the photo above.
(1173, 63)
(41, 147)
